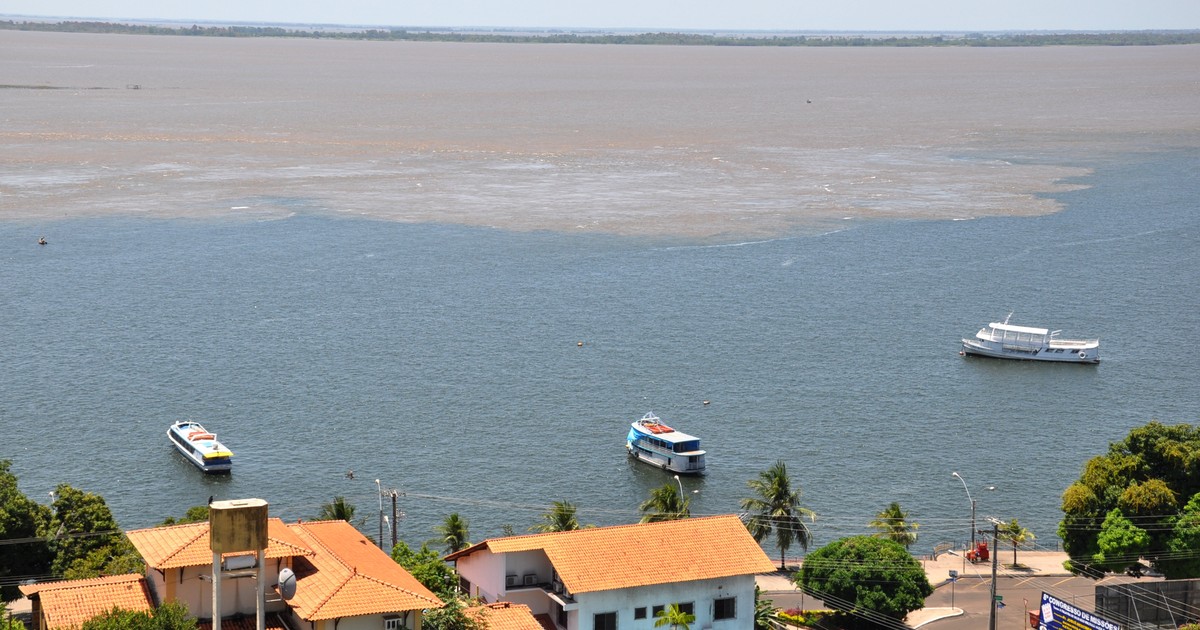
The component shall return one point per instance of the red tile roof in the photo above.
(69, 604)
(187, 545)
(642, 554)
(504, 616)
(350, 576)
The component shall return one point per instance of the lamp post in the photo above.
(969, 498)
(379, 491)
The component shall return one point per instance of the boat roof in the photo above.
(1018, 329)
(670, 435)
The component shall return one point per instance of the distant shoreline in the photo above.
(608, 36)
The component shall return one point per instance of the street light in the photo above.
(964, 482)
(379, 491)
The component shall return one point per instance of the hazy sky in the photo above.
(843, 15)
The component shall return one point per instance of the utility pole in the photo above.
(995, 557)
(394, 521)
(379, 491)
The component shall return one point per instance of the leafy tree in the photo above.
(1014, 533)
(169, 616)
(22, 524)
(452, 616)
(83, 533)
(893, 524)
(875, 579)
(1180, 557)
(428, 567)
(115, 559)
(454, 533)
(1145, 476)
(340, 510)
(675, 617)
(776, 508)
(194, 514)
(6, 623)
(559, 518)
(665, 504)
(1120, 543)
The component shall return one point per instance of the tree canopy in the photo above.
(454, 532)
(169, 616)
(559, 518)
(874, 579)
(1151, 480)
(428, 567)
(24, 554)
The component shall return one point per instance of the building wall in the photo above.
(192, 587)
(701, 593)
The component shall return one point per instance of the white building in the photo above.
(611, 578)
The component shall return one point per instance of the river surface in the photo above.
(483, 349)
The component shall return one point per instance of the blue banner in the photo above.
(1057, 614)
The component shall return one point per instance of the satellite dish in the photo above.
(287, 583)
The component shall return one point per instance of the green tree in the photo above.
(428, 567)
(675, 617)
(83, 533)
(194, 514)
(875, 579)
(23, 522)
(559, 518)
(776, 508)
(893, 524)
(665, 504)
(1016, 534)
(454, 533)
(340, 510)
(1144, 476)
(6, 623)
(1120, 543)
(452, 616)
(1180, 558)
(168, 616)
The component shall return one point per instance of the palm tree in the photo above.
(338, 510)
(675, 617)
(1016, 534)
(665, 504)
(559, 518)
(893, 524)
(776, 508)
(454, 533)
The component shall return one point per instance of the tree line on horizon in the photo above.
(662, 38)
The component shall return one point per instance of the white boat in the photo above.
(1006, 341)
(200, 447)
(657, 444)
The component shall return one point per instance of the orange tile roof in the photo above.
(642, 554)
(69, 604)
(352, 576)
(187, 545)
(504, 616)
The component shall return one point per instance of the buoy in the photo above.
(579, 344)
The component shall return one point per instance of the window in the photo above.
(639, 613)
(688, 608)
(393, 622)
(725, 608)
(606, 621)
(656, 611)
(464, 586)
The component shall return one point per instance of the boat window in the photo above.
(690, 445)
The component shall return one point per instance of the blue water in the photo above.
(445, 360)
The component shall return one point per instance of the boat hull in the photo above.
(1049, 354)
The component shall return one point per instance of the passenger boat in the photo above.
(1006, 341)
(200, 447)
(657, 444)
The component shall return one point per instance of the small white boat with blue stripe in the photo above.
(200, 447)
(653, 442)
